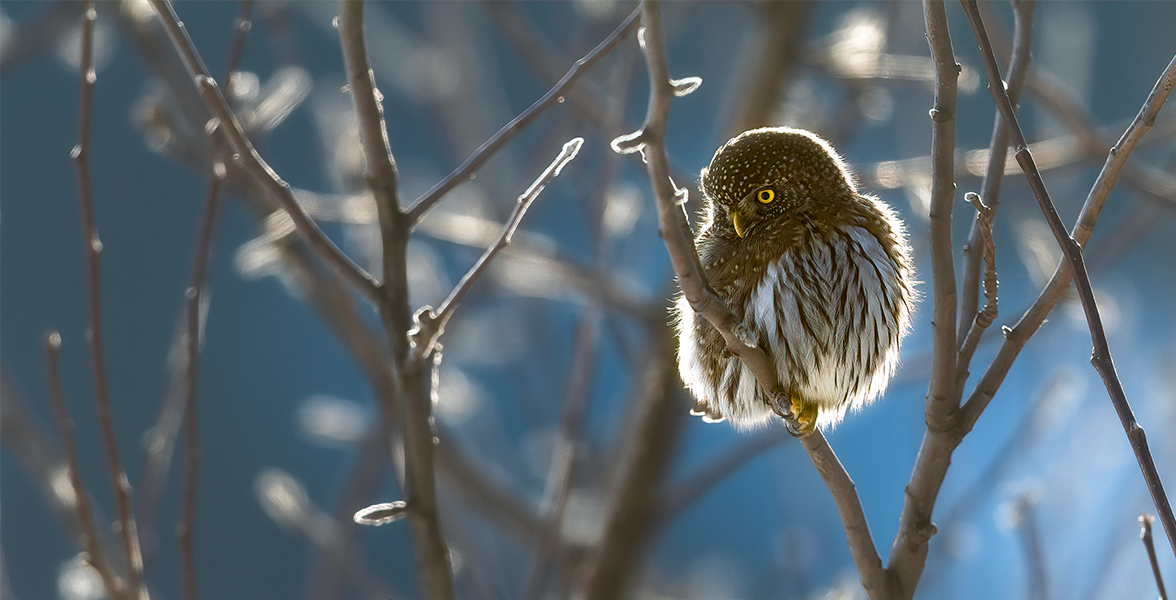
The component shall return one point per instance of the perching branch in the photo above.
(675, 231)
(93, 247)
(252, 163)
(1072, 251)
(510, 130)
(91, 538)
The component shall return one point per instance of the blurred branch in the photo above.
(681, 496)
(510, 130)
(770, 61)
(559, 474)
(38, 34)
(972, 325)
(195, 293)
(252, 162)
(90, 538)
(1072, 252)
(908, 552)
(1145, 535)
(655, 420)
(675, 231)
(93, 248)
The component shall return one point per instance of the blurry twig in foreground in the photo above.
(194, 294)
(90, 538)
(1073, 255)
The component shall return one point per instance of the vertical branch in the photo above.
(410, 370)
(972, 325)
(91, 539)
(940, 408)
(1072, 252)
(908, 553)
(194, 294)
(93, 247)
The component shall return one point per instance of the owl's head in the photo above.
(767, 173)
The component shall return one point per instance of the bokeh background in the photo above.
(554, 349)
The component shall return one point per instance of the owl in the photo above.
(817, 270)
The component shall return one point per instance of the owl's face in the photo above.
(765, 175)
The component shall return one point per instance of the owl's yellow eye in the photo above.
(765, 196)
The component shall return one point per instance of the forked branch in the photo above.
(1072, 252)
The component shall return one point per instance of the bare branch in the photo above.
(93, 247)
(970, 320)
(908, 552)
(252, 162)
(91, 539)
(1072, 251)
(507, 133)
(1145, 534)
(675, 231)
(195, 292)
(430, 324)
(942, 408)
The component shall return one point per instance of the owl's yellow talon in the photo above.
(805, 414)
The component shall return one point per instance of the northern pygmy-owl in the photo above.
(818, 271)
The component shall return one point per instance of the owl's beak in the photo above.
(739, 220)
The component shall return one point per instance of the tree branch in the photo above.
(91, 539)
(93, 247)
(194, 295)
(254, 165)
(1072, 251)
(908, 552)
(510, 130)
(430, 324)
(1145, 535)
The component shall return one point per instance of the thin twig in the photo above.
(252, 162)
(1145, 534)
(675, 231)
(971, 324)
(510, 130)
(430, 324)
(195, 292)
(1072, 251)
(93, 247)
(91, 539)
(984, 316)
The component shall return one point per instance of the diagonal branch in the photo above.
(91, 539)
(675, 231)
(1072, 251)
(972, 325)
(510, 130)
(252, 162)
(429, 323)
